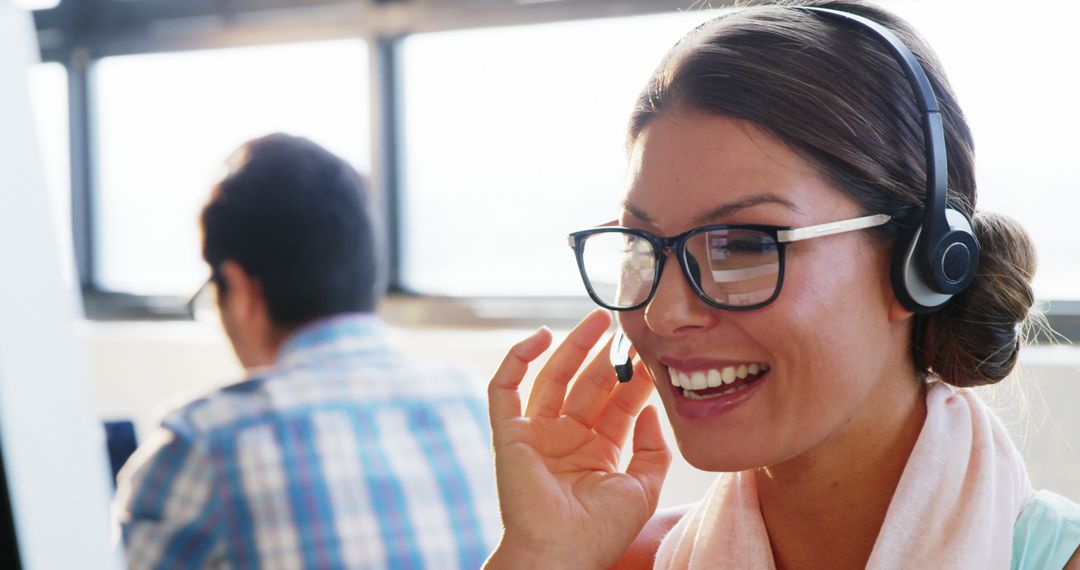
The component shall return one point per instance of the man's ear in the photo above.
(244, 294)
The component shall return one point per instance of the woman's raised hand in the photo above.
(564, 503)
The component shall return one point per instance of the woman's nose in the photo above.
(676, 307)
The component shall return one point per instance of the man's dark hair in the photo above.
(298, 220)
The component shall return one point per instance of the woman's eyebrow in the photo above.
(636, 212)
(722, 211)
(726, 210)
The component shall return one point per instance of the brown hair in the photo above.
(832, 92)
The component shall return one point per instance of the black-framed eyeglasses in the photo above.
(738, 267)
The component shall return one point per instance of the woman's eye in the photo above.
(750, 246)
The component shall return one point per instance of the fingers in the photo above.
(503, 399)
(652, 458)
(589, 394)
(623, 406)
(549, 390)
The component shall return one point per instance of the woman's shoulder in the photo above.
(1047, 534)
(642, 552)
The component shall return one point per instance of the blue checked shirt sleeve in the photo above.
(166, 503)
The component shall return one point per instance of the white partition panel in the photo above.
(53, 446)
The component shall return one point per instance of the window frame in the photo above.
(79, 33)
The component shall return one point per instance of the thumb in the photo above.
(652, 457)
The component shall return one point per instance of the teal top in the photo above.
(1047, 533)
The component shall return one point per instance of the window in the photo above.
(166, 124)
(511, 139)
(1012, 71)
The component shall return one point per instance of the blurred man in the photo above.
(335, 452)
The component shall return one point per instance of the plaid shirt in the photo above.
(343, 455)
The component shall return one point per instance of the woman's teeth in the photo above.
(714, 378)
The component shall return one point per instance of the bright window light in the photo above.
(166, 124)
(36, 4)
(1012, 71)
(513, 137)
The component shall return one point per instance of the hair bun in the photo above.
(975, 339)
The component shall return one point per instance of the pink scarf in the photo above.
(962, 490)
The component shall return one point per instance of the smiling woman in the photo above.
(826, 378)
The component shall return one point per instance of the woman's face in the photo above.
(829, 352)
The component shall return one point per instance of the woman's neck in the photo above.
(824, 508)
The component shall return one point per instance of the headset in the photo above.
(933, 259)
(938, 258)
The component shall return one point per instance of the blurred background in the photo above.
(489, 129)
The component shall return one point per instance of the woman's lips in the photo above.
(717, 396)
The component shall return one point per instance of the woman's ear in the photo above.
(897, 311)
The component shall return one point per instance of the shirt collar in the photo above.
(339, 332)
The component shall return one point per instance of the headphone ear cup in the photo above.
(955, 259)
(911, 284)
(903, 266)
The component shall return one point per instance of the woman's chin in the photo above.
(721, 458)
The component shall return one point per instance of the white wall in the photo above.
(137, 367)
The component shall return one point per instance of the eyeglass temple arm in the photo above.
(831, 228)
(191, 298)
(190, 302)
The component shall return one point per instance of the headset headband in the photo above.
(935, 225)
